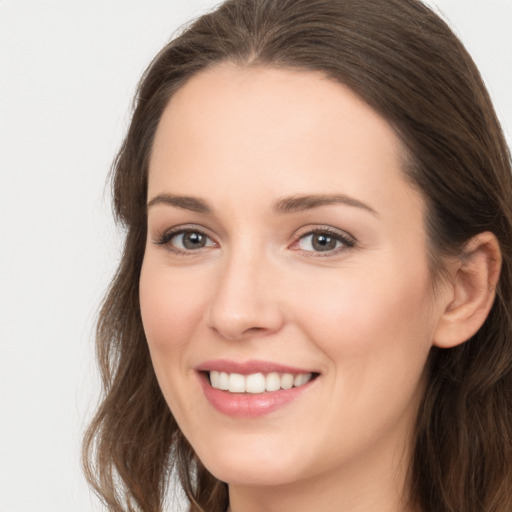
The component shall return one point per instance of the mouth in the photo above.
(253, 389)
(257, 383)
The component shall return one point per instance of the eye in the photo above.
(185, 240)
(323, 241)
(190, 240)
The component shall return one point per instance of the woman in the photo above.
(313, 309)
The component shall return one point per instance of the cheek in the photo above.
(377, 336)
(170, 308)
(171, 313)
(381, 320)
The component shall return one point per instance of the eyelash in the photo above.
(346, 241)
(165, 238)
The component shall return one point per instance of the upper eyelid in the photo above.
(319, 228)
(183, 228)
(163, 237)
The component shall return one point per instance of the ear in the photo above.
(471, 291)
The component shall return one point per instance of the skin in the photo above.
(362, 316)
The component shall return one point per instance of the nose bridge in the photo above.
(244, 301)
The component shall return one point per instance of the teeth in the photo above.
(219, 380)
(273, 382)
(224, 381)
(236, 383)
(257, 382)
(287, 381)
(300, 379)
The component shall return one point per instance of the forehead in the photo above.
(266, 128)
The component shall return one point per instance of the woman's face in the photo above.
(285, 248)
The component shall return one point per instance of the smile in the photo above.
(252, 389)
(257, 382)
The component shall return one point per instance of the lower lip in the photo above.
(249, 405)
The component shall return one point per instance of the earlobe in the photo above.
(472, 291)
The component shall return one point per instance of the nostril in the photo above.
(255, 330)
(236, 330)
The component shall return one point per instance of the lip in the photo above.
(248, 367)
(248, 405)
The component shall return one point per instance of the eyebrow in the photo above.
(283, 206)
(301, 203)
(185, 202)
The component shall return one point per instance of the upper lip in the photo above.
(248, 367)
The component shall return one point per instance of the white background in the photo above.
(68, 70)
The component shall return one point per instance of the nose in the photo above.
(245, 302)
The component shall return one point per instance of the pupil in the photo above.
(323, 243)
(193, 240)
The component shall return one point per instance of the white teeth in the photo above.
(223, 381)
(273, 382)
(257, 382)
(236, 383)
(287, 381)
(214, 379)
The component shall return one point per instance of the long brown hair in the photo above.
(405, 62)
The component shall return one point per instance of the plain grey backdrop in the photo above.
(68, 70)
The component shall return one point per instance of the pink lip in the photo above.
(248, 367)
(247, 405)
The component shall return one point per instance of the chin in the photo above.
(247, 473)
(254, 463)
